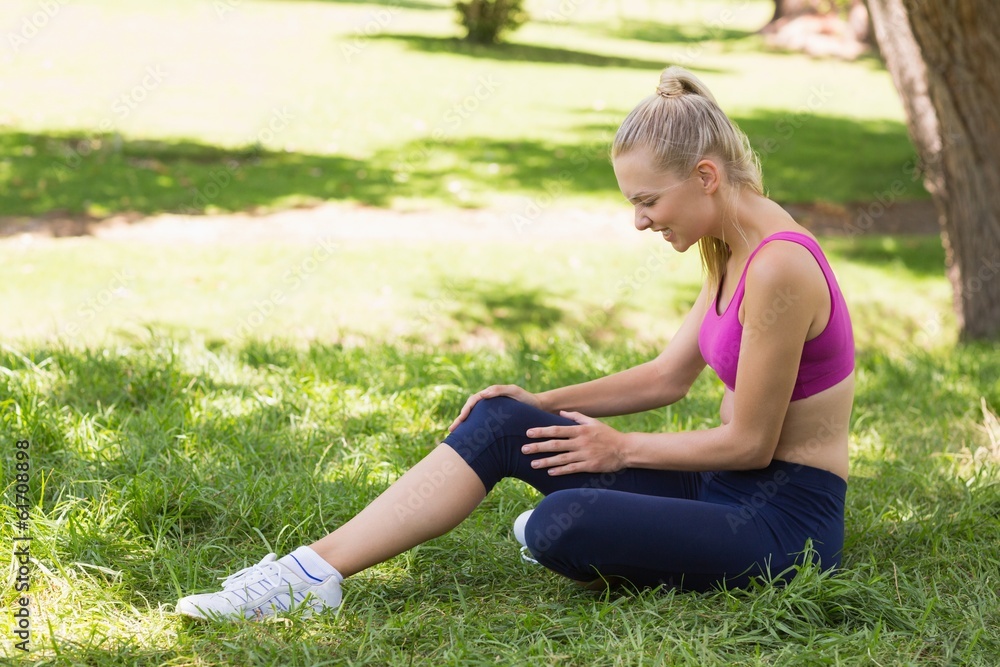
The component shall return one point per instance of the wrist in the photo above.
(545, 401)
(626, 449)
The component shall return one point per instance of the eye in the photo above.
(649, 203)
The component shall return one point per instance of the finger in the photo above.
(567, 466)
(548, 446)
(551, 431)
(489, 392)
(576, 416)
(464, 412)
(552, 461)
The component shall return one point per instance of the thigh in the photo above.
(490, 441)
(648, 540)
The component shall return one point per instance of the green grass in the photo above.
(192, 406)
(164, 456)
(406, 115)
(77, 291)
(166, 464)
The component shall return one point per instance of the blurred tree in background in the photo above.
(488, 20)
(943, 59)
(840, 28)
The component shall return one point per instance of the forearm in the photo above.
(636, 389)
(719, 448)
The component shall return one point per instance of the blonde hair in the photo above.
(680, 124)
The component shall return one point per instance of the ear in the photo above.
(708, 173)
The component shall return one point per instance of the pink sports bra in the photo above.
(826, 359)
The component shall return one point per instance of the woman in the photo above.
(693, 509)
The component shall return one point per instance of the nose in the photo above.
(641, 221)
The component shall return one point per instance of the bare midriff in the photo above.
(815, 430)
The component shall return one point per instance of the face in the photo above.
(664, 203)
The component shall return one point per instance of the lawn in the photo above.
(194, 402)
(114, 107)
(165, 454)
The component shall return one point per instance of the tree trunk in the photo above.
(861, 24)
(790, 9)
(943, 59)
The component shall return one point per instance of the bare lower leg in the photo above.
(429, 500)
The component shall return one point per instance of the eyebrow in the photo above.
(640, 195)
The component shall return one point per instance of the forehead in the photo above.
(634, 164)
(637, 176)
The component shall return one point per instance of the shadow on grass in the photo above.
(514, 51)
(517, 314)
(99, 175)
(922, 256)
(667, 33)
(505, 307)
(102, 174)
(808, 157)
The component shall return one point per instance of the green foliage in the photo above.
(486, 21)
(167, 464)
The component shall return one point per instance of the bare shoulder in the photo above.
(785, 273)
(783, 263)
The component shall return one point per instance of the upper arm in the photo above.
(784, 290)
(681, 362)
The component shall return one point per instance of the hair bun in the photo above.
(670, 87)
(676, 82)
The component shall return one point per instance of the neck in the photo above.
(756, 217)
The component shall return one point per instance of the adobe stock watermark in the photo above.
(767, 489)
(758, 325)
(222, 178)
(469, 444)
(562, 13)
(580, 160)
(460, 111)
(424, 491)
(555, 523)
(291, 281)
(225, 7)
(914, 169)
(930, 330)
(379, 20)
(716, 26)
(130, 100)
(122, 107)
(441, 305)
(116, 288)
(786, 126)
(633, 282)
(33, 24)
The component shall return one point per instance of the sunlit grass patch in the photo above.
(242, 450)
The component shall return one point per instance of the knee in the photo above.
(500, 411)
(498, 416)
(488, 421)
(557, 525)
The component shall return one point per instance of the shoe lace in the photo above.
(265, 569)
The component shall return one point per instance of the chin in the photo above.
(679, 246)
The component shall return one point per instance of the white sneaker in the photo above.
(263, 590)
(519, 523)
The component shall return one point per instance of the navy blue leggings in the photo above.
(687, 530)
